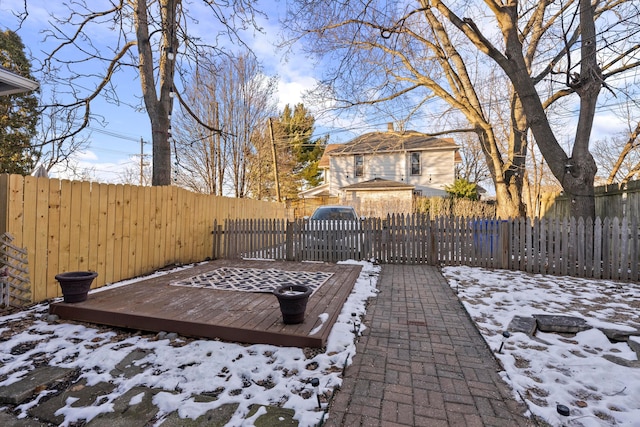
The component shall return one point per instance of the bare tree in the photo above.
(385, 52)
(237, 98)
(619, 156)
(261, 163)
(136, 174)
(152, 37)
(52, 148)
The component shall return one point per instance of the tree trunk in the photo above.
(575, 173)
(507, 178)
(158, 107)
(509, 200)
(161, 151)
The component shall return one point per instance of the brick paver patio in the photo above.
(422, 362)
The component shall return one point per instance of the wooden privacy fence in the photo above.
(607, 249)
(119, 231)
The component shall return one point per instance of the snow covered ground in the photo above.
(245, 374)
(545, 370)
(551, 369)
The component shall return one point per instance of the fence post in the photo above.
(288, 242)
(433, 258)
(217, 240)
(505, 237)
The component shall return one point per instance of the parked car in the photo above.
(332, 233)
(335, 213)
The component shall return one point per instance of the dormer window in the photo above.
(358, 165)
(415, 163)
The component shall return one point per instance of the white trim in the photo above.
(313, 192)
(11, 83)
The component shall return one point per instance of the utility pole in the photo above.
(275, 161)
(141, 160)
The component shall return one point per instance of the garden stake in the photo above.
(316, 382)
(506, 335)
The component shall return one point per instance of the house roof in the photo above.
(11, 83)
(392, 141)
(323, 163)
(319, 191)
(379, 184)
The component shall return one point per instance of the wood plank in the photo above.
(110, 231)
(127, 265)
(615, 250)
(137, 213)
(597, 249)
(84, 208)
(39, 287)
(146, 218)
(65, 226)
(580, 248)
(103, 201)
(154, 305)
(631, 250)
(28, 227)
(94, 232)
(15, 216)
(156, 230)
(53, 236)
(4, 201)
(116, 266)
(75, 223)
(606, 248)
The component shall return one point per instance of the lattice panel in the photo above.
(15, 288)
(254, 279)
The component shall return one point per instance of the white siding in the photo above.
(438, 170)
(380, 203)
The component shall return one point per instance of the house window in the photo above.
(415, 164)
(358, 163)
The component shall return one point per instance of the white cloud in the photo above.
(291, 92)
(87, 165)
(606, 125)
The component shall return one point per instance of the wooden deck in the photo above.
(255, 318)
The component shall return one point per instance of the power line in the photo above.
(114, 134)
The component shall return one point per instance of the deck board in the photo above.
(254, 318)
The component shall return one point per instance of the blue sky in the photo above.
(116, 146)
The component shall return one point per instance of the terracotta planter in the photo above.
(75, 284)
(293, 302)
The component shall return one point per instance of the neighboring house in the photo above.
(381, 172)
(11, 83)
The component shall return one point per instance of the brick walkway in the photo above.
(422, 362)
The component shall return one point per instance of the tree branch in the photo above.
(184, 105)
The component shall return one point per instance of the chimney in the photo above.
(390, 127)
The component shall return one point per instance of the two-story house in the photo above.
(382, 171)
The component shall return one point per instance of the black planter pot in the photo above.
(75, 284)
(293, 302)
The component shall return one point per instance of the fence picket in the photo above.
(634, 250)
(606, 247)
(568, 247)
(123, 231)
(624, 250)
(615, 249)
(588, 242)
